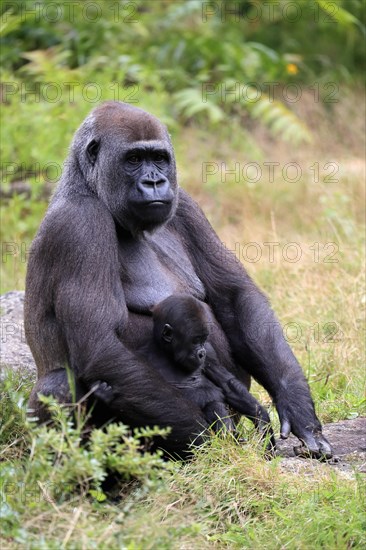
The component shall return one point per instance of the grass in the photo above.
(228, 496)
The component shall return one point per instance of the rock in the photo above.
(14, 350)
(348, 439)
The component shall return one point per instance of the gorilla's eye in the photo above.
(134, 159)
(158, 157)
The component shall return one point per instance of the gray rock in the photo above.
(348, 439)
(14, 350)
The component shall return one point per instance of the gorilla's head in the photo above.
(127, 160)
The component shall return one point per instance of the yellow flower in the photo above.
(292, 68)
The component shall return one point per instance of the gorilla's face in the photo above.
(181, 328)
(146, 168)
(186, 345)
(132, 166)
(189, 350)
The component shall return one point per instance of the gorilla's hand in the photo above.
(103, 391)
(308, 431)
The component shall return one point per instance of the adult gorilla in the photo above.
(119, 237)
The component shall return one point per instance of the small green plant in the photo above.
(67, 456)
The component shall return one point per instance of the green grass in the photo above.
(229, 496)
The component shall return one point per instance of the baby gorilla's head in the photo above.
(181, 328)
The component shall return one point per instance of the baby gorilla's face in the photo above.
(189, 350)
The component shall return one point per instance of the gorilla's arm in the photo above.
(76, 286)
(254, 334)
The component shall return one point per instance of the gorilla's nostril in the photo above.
(201, 354)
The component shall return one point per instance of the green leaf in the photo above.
(9, 23)
(189, 102)
(335, 11)
(98, 495)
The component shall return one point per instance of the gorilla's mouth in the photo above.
(156, 202)
(191, 363)
(152, 213)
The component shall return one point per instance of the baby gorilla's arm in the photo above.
(218, 416)
(238, 397)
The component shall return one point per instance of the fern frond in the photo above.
(280, 120)
(189, 103)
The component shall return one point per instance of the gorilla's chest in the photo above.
(153, 268)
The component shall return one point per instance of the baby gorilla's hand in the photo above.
(103, 391)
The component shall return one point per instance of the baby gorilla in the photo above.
(181, 338)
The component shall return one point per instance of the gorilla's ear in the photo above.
(167, 334)
(92, 151)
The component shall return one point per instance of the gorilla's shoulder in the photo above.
(187, 206)
(189, 217)
(78, 208)
(80, 220)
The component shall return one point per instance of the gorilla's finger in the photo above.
(325, 447)
(314, 446)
